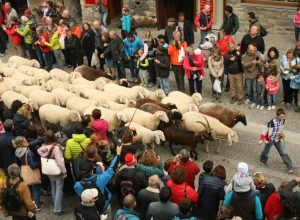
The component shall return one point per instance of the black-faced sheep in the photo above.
(225, 115)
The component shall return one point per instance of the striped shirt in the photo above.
(277, 128)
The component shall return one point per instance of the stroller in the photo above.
(211, 40)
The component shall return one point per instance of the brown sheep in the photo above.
(91, 73)
(225, 115)
(148, 100)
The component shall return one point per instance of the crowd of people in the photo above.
(99, 166)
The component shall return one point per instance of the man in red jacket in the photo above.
(46, 50)
(192, 169)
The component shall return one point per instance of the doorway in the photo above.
(170, 8)
(19, 5)
(115, 9)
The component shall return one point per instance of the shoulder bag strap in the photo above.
(26, 159)
(17, 184)
(50, 152)
(80, 146)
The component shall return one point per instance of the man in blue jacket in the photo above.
(7, 151)
(101, 181)
(132, 44)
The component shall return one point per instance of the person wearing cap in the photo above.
(127, 212)
(132, 174)
(192, 169)
(7, 152)
(132, 44)
(100, 180)
(87, 209)
(171, 27)
(30, 16)
(242, 181)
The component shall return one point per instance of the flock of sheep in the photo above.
(177, 118)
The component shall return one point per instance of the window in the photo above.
(291, 3)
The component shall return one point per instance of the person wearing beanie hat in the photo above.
(87, 209)
(242, 181)
(30, 16)
(130, 179)
(171, 27)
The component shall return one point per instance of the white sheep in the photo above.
(80, 88)
(35, 72)
(9, 96)
(181, 106)
(7, 71)
(54, 114)
(42, 97)
(8, 84)
(131, 93)
(96, 94)
(80, 104)
(109, 115)
(54, 83)
(117, 106)
(148, 120)
(26, 90)
(24, 79)
(62, 95)
(157, 95)
(219, 131)
(146, 135)
(15, 61)
(196, 98)
(60, 75)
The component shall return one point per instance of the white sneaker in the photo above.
(273, 107)
(269, 108)
(258, 106)
(262, 107)
(247, 101)
(253, 105)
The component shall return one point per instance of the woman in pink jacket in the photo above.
(16, 39)
(99, 126)
(297, 24)
(193, 64)
(272, 88)
(57, 182)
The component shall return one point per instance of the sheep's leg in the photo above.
(206, 147)
(171, 148)
(219, 146)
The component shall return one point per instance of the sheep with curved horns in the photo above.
(196, 98)
(15, 61)
(194, 121)
(148, 120)
(147, 136)
(225, 115)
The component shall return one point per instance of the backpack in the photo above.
(100, 202)
(124, 216)
(126, 187)
(263, 31)
(11, 200)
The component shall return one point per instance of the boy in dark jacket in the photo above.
(162, 68)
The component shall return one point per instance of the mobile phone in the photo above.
(256, 58)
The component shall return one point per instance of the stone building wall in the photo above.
(275, 19)
(88, 13)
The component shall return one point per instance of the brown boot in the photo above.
(232, 100)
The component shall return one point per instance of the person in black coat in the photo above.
(21, 121)
(7, 151)
(73, 50)
(210, 192)
(88, 41)
(162, 68)
(10, 113)
(186, 28)
(171, 27)
(253, 38)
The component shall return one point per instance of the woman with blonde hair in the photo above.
(216, 69)
(22, 120)
(149, 51)
(265, 189)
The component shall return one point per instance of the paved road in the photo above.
(246, 150)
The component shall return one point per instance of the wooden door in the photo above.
(115, 9)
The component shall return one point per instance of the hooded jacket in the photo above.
(15, 37)
(101, 126)
(132, 46)
(26, 32)
(180, 191)
(75, 146)
(54, 42)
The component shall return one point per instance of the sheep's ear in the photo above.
(123, 100)
(121, 117)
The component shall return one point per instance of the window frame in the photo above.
(272, 3)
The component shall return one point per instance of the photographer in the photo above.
(176, 57)
(291, 200)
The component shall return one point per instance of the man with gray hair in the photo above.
(148, 195)
(69, 129)
(192, 169)
(99, 30)
(28, 208)
(67, 17)
(7, 152)
(128, 210)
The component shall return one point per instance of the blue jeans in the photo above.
(35, 191)
(297, 33)
(251, 85)
(164, 84)
(280, 148)
(39, 56)
(57, 185)
(260, 99)
(59, 58)
(48, 60)
(133, 67)
(202, 36)
(121, 69)
(103, 18)
(271, 100)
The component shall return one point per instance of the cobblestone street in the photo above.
(246, 150)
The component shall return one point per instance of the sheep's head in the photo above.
(48, 87)
(143, 93)
(171, 106)
(159, 136)
(103, 103)
(197, 98)
(32, 105)
(35, 63)
(162, 116)
(240, 117)
(28, 82)
(124, 83)
(193, 108)
(13, 65)
(160, 94)
(177, 115)
(60, 101)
